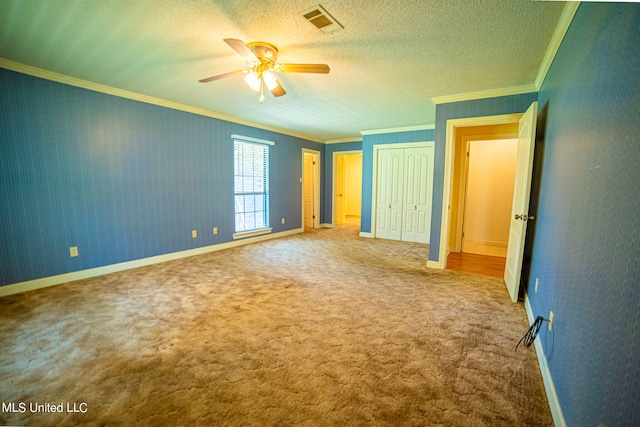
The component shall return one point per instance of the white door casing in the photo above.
(449, 160)
(520, 206)
(338, 185)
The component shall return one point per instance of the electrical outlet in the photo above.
(194, 233)
(536, 288)
(551, 320)
(73, 251)
(283, 220)
(215, 230)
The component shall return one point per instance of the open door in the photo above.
(520, 206)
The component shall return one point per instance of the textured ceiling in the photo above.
(386, 64)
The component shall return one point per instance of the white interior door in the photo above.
(308, 191)
(418, 193)
(520, 205)
(389, 198)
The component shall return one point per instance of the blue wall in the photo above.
(459, 110)
(367, 164)
(326, 214)
(120, 179)
(587, 241)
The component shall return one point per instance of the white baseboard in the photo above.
(485, 247)
(435, 264)
(99, 271)
(552, 396)
(366, 234)
(326, 225)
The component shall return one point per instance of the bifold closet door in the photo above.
(389, 202)
(404, 191)
(418, 194)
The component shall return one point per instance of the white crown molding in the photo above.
(45, 282)
(97, 87)
(400, 129)
(566, 18)
(491, 93)
(342, 140)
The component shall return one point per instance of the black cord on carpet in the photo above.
(532, 333)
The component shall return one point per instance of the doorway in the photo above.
(459, 132)
(489, 177)
(310, 188)
(520, 206)
(347, 187)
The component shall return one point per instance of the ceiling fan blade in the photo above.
(222, 76)
(244, 51)
(303, 68)
(278, 90)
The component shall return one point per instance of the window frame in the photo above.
(239, 139)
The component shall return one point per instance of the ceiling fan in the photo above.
(261, 58)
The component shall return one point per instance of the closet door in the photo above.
(389, 197)
(418, 194)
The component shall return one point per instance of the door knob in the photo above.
(389, 206)
(524, 217)
(415, 208)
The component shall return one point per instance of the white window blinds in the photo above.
(251, 184)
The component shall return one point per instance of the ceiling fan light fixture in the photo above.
(270, 79)
(253, 80)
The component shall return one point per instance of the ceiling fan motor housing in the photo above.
(264, 51)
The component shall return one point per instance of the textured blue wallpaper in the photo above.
(587, 239)
(367, 164)
(120, 179)
(458, 110)
(326, 204)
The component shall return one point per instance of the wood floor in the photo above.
(479, 264)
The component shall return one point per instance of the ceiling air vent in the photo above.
(321, 19)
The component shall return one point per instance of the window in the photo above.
(251, 186)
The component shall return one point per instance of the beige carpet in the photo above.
(322, 328)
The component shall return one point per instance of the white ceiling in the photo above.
(386, 64)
